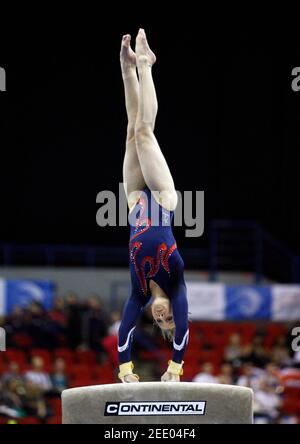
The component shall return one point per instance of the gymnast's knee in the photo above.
(143, 131)
(130, 132)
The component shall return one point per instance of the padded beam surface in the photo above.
(158, 403)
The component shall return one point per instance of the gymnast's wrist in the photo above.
(175, 368)
(125, 369)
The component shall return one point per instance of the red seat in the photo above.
(195, 328)
(22, 340)
(192, 356)
(54, 420)
(291, 392)
(102, 375)
(214, 334)
(276, 329)
(17, 356)
(291, 406)
(86, 357)
(166, 353)
(29, 420)
(246, 330)
(81, 370)
(3, 367)
(110, 345)
(66, 354)
(148, 355)
(56, 406)
(80, 381)
(106, 369)
(189, 372)
(273, 331)
(290, 379)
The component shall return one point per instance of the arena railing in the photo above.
(235, 245)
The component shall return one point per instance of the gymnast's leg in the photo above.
(152, 162)
(132, 174)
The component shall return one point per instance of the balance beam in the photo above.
(158, 403)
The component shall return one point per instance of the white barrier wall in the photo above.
(82, 281)
(103, 281)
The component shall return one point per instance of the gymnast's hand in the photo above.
(126, 374)
(170, 377)
(173, 372)
(131, 378)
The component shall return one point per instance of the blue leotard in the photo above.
(153, 254)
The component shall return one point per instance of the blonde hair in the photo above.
(167, 333)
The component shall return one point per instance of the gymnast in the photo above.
(156, 266)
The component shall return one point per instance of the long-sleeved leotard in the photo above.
(153, 254)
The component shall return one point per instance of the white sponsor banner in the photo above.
(285, 302)
(2, 297)
(206, 301)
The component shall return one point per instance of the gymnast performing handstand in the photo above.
(156, 266)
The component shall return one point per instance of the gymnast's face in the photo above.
(162, 313)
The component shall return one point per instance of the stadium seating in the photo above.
(207, 343)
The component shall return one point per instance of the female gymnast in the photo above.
(155, 264)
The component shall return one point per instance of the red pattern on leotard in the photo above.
(162, 258)
(162, 253)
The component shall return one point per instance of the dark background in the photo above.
(228, 123)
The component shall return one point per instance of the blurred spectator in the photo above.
(290, 376)
(272, 377)
(110, 342)
(226, 374)
(11, 394)
(2, 321)
(266, 403)
(15, 323)
(40, 328)
(58, 313)
(233, 351)
(12, 373)
(74, 326)
(296, 358)
(38, 376)
(251, 376)
(95, 324)
(288, 419)
(59, 378)
(34, 400)
(256, 352)
(206, 375)
(280, 353)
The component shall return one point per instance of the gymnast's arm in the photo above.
(180, 314)
(132, 310)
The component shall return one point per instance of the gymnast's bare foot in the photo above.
(142, 49)
(127, 55)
